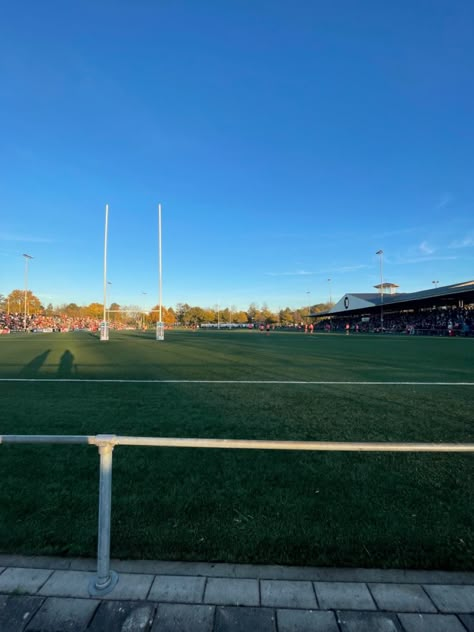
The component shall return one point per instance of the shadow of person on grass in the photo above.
(66, 364)
(31, 369)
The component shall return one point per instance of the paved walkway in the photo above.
(41, 594)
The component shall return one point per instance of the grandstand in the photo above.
(447, 310)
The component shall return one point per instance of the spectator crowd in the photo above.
(435, 322)
(14, 322)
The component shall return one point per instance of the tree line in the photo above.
(182, 314)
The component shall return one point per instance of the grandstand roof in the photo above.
(446, 295)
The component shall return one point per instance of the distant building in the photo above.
(370, 303)
(386, 288)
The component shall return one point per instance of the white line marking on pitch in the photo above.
(119, 381)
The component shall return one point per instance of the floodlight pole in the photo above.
(27, 259)
(160, 329)
(330, 291)
(104, 331)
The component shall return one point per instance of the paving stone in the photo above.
(306, 621)
(131, 587)
(67, 584)
(16, 611)
(231, 592)
(468, 621)
(183, 618)
(195, 569)
(431, 623)
(232, 619)
(64, 615)
(344, 596)
(401, 598)
(368, 622)
(85, 564)
(248, 571)
(179, 589)
(286, 594)
(24, 580)
(387, 576)
(123, 616)
(76, 584)
(456, 599)
(34, 561)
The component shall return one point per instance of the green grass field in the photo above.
(349, 509)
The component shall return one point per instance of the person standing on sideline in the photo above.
(347, 329)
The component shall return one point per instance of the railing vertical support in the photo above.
(106, 579)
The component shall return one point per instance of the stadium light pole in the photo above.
(309, 305)
(330, 291)
(27, 260)
(104, 330)
(435, 283)
(380, 253)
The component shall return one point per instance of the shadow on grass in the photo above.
(32, 368)
(66, 365)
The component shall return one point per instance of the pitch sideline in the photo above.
(302, 382)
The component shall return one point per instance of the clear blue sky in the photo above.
(287, 142)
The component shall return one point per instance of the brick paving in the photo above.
(41, 594)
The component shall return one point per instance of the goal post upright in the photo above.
(160, 328)
(104, 328)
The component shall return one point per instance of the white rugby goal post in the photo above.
(104, 326)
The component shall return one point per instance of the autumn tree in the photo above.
(169, 316)
(196, 316)
(94, 310)
(286, 317)
(72, 310)
(252, 312)
(115, 315)
(224, 315)
(265, 315)
(240, 317)
(181, 313)
(17, 302)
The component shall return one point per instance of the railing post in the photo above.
(106, 579)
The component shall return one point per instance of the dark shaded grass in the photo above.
(405, 510)
(339, 509)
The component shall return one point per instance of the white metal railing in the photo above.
(106, 579)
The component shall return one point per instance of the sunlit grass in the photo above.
(406, 510)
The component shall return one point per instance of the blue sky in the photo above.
(286, 141)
